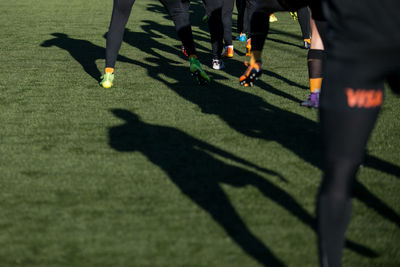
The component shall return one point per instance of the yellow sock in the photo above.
(315, 85)
(109, 70)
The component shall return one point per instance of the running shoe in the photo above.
(251, 75)
(294, 15)
(197, 72)
(107, 80)
(217, 64)
(229, 52)
(242, 37)
(272, 18)
(312, 101)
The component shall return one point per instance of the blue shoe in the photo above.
(242, 37)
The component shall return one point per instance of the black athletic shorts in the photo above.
(362, 53)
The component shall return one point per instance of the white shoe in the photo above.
(218, 64)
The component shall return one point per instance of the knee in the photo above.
(339, 179)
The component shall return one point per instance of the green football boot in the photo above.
(197, 72)
(107, 80)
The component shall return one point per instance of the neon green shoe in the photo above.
(273, 18)
(107, 80)
(197, 72)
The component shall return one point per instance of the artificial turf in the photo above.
(160, 171)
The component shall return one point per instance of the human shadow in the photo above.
(283, 42)
(190, 164)
(276, 31)
(84, 52)
(153, 31)
(237, 107)
(254, 117)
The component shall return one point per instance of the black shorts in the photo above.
(359, 28)
(361, 55)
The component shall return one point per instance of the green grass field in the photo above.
(159, 171)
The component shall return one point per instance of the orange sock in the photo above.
(315, 85)
(315, 60)
(109, 70)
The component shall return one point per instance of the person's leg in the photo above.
(351, 98)
(179, 13)
(214, 12)
(227, 22)
(345, 134)
(259, 23)
(250, 8)
(304, 21)
(259, 26)
(119, 18)
(240, 7)
(315, 60)
(259, 32)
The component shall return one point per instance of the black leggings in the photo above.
(179, 12)
(259, 24)
(214, 10)
(227, 21)
(245, 10)
(304, 21)
(351, 98)
(120, 15)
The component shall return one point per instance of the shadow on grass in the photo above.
(83, 51)
(254, 117)
(244, 113)
(190, 165)
(283, 42)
